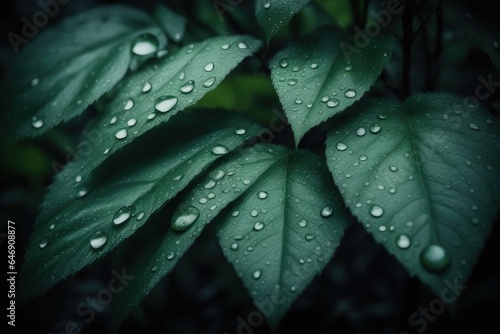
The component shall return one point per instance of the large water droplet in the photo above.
(129, 105)
(435, 258)
(43, 243)
(146, 87)
(314, 66)
(165, 103)
(267, 5)
(131, 122)
(292, 82)
(376, 211)
(361, 131)
(283, 62)
(326, 212)
(309, 236)
(262, 194)
(184, 217)
(37, 123)
(332, 103)
(240, 131)
(121, 134)
(350, 93)
(258, 226)
(122, 215)
(341, 146)
(209, 82)
(220, 150)
(234, 246)
(170, 256)
(303, 223)
(403, 241)
(217, 174)
(81, 193)
(209, 67)
(256, 274)
(187, 87)
(98, 240)
(242, 45)
(145, 45)
(375, 128)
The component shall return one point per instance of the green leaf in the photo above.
(284, 220)
(70, 66)
(423, 178)
(136, 110)
(171, 22)
(320, 76)
(273, 15)
(124, 192)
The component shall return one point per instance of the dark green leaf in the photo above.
(321, 76)
(135, 109)
(423, 178)
(273, 15)
(70, 66)
(101, 210)
(285, 220)
(171, 22)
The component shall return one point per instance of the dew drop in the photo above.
(131, 122)
(234, 246)
(210, 184)
(350, 93)
(303, 223)
(187, 87)
(314, 66)
(170, 256)
(78, 178)
(341, 146)
(122, 215)
(37, 123)
(121, 134)
(209, 82)
(209, 67)
(43, 243)
(225, 46)
(146, 87)
(240, 131)
(292, 82)
(267, 5)
(375, 128)
(242, 45)
(35, 82)
(262, 195)
(326, 212)
(348, 68)
(295, 69)
(81, 193)
(184, 217)
(220, 150)
(129, 105)
(98, 240)
(258, 226)
(435, 258)
(113, 120)
(361, 131)
(473, 126)
(393, 168)
(140, 215)
(145, 45)
(403, 241)
(256, 274)
(217, 174)
(309, 236)
(165, 103)
(283, 63)
(376, 211)
(332, 103)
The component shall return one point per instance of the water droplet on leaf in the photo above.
(184, 217)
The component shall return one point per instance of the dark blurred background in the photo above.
(362, 290)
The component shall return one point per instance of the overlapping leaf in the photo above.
(123, 193)
(423, 178)
(68, 67)
(283, 223)
(145, 100)
(273, 15)
(321, 76)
